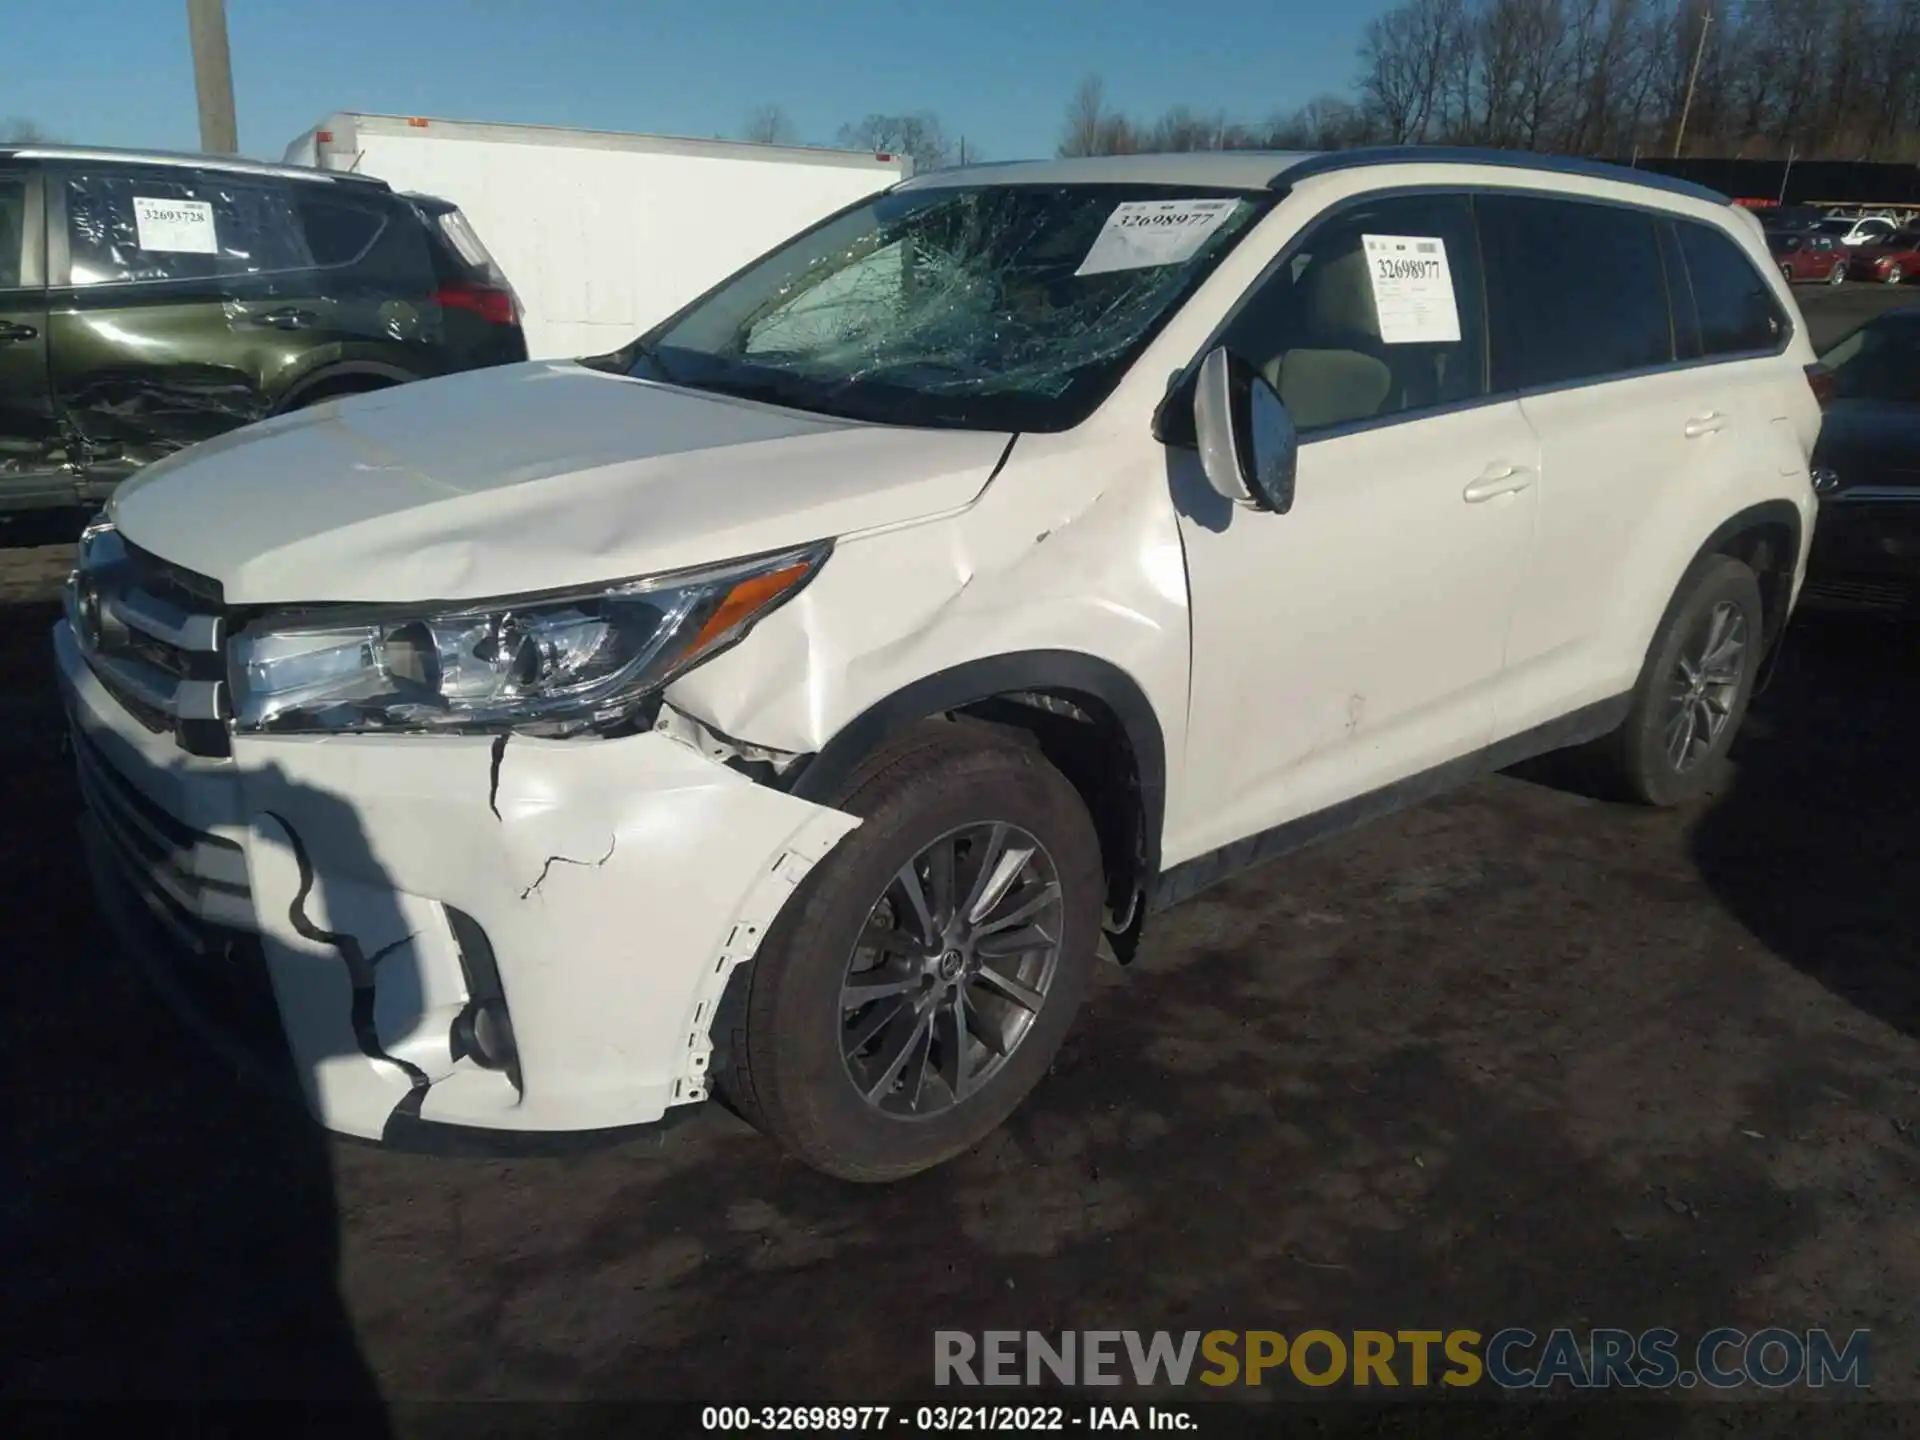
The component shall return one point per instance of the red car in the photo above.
(1892, 261)
(1807, 256)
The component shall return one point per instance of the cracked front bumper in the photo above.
(616, 884)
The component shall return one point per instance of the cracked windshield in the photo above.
(994, 307)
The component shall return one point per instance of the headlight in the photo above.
(553, 663)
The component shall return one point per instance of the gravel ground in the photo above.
(1514, 1057)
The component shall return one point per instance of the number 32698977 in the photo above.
(1408, 269)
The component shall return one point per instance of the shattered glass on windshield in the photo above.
(955, 306)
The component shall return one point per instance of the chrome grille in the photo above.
(192, 879)
(154, 634)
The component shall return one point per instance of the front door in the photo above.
(30, 456)
(1358, 639)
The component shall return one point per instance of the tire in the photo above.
(1837, 275)
(1786, 272)
(782, 1063)
(1895, 275)
(1639, 757)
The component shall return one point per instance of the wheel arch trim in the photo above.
(297, 392)
(1068, 672)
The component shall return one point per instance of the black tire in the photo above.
(1837, 275)
(1636, 757)
(780, 1064)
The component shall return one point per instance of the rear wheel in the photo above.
(918, 985)
(1786, 273)
(1896, 274)
(1837, 275)
(1693, 690)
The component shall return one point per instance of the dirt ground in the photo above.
(1514, 1057)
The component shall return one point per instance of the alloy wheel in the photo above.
(951, 969)
(1705, 685)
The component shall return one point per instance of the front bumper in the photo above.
(613, 884)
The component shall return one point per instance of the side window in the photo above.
(13, 230)
(1737, 310)
(1578, 290)
(130, 226)
(1375, 311)
(336, 231)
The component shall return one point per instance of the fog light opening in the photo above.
(483, 1032)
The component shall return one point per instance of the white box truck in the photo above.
(602, 234)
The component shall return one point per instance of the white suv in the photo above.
(784, 707)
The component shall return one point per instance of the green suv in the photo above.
(149, 301)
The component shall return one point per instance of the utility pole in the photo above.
(213, 76)
(1693, 78)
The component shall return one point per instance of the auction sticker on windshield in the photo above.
(1140, 234)
(1412, 289)
(177, 226)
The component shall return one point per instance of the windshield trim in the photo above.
(642, 357)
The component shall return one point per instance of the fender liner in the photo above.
(344, 370)
(1066, 672)
(1775, 588)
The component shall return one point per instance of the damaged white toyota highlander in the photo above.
(786, 708)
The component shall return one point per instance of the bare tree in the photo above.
(18, 130)
(918, 136)
(770, 125)
(1091, 128)
(1404, 61)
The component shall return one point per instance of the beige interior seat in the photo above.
(1325, 385)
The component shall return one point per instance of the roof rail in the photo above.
(232, 164)
(1330, 161)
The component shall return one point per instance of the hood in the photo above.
(1871, 442)
(525, 478)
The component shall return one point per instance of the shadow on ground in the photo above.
(172, 1235)
(1816, 849)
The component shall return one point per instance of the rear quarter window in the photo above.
(1575, 290)
(337, 231)
(1738, 314)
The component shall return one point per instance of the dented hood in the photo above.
(525, 478)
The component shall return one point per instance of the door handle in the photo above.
(10, 332)
(290, 318)
(1705, 424)
(1499, 479)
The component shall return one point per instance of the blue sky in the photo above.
(119, 72)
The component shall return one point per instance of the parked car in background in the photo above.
(785, 703)
(604, 233)
(1857, 229)
(1866, 549)
(150, 301)
(1893, 261)
(1788, 218)
(1804, 256)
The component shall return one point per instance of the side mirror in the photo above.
(1249, 447)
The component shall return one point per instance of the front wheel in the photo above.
(1693, 691)
(1837, 275)
(918, 985)
(1895, 274)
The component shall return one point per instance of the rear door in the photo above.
(1742, 330)
(1583, 329)
(30, 453)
